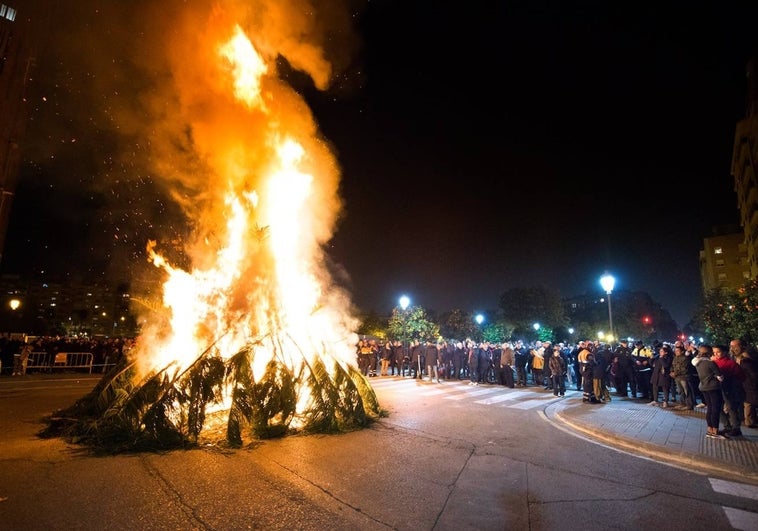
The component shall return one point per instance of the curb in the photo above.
(691, 462)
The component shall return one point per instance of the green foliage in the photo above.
(495, 333)
(727, 315)
(413, 323)
(274, 401)
(373, 325)
(457, 324)
(545, 333)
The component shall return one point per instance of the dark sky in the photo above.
(512, 144)
(484, 146)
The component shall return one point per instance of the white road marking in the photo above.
(494, 400)
(740, 519)
(735, 489)
(528, 404)
(461, 390)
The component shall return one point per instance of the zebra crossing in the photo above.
(461, 391)
(738, 518)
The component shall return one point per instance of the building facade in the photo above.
(723, 260)
(744, 157)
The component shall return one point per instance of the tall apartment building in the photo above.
(723, 260)
(745, 171)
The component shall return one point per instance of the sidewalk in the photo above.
(677, 437)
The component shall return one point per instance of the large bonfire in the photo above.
(252, 340)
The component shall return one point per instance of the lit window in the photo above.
(720, 262)
(718, 250)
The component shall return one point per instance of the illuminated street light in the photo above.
(536, 326)
(608, 281)
(404, 301)
(14, 304)
(479, 318)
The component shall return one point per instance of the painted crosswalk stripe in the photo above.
(734, 489)
(494, 400)
(462, 390)
(432, 392)
(528, 404)
(740, 519)
(466, 393)
(519, 394)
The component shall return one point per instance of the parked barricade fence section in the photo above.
(45, 361)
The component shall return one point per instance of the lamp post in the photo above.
(14, 305)
(479, 319)
(404, 301)
(607, 281)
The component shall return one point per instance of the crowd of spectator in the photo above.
(105, 351)
(661, 374)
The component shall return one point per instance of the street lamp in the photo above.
(404, 301)
(607, 281)
(479, 319)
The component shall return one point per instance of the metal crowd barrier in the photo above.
(61, 360)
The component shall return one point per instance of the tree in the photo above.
(495, 333)
(635, 315)
(411, 324)
(457, 324)
(373, 325)
(727, 315)
(524, 306)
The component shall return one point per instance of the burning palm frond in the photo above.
(162, 413)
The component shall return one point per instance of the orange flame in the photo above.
(265, 282)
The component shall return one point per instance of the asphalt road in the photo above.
(444, 458)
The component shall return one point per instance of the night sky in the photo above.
(483, 146)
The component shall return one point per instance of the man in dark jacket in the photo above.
(624, 379)
(643, 360)
(521, 353)
(431, 359)
(417, 360)
(749, 366)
